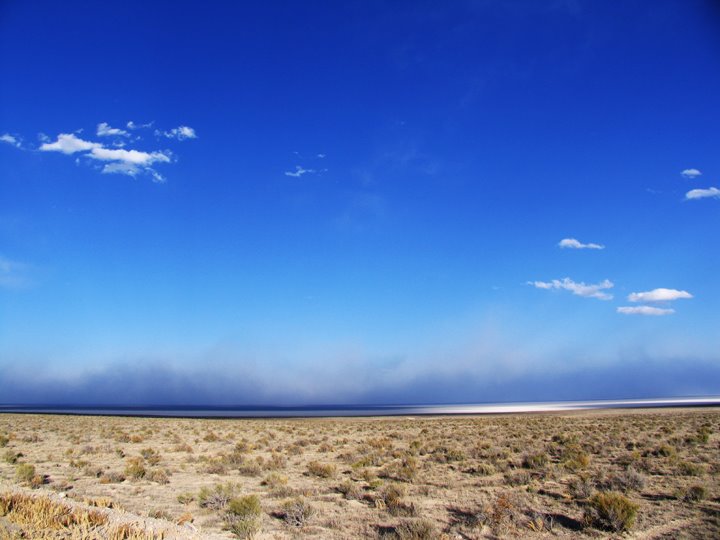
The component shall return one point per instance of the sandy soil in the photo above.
(516, 476)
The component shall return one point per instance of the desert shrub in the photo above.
(159, 513)
(150, 455)
(297, 512)
(275, 480)
(10, 456)
(215, 466)
(416, 529)
(502, 512)
(186, 498)
(611, 511)
(250, 469)
(4, 440)
(687, 468)
(627, 480)
(24, 472)
(519, 478)
(576, 459)
(694, 493)
(665, 450)
(111, 477)
(392, 499)
(158, 475)
(135, 468)
(581, 487)
(535, 460)
(703, 434)
(482, 469)
(217, 497)
(322, 470)
(350, 490)
(244, 516)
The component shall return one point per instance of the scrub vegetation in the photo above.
(599, 474)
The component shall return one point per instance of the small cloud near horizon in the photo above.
(645, 310)
(180, 133)
(577, 288)
(572, 243)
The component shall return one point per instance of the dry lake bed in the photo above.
(593, 474)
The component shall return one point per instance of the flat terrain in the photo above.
(600, 474)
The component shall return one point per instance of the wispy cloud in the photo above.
(133, 125)
(104, 130)
(578, 289)
(711, 192)
(13, 274)
(299, 171)
(11, 139)
(644, 310)
(691, 173)
(659, 295)
(68, 143)
(180, 133)
(572, 243)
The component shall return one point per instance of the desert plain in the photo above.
(644, 474)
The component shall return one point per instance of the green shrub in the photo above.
(244, 516)
(216, 498)
(611, 511)
(24, 472)
(4, 440)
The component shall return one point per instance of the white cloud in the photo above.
(572, 243)
(10, 139)
(659, 295)
(321, 156)
(644, 310)
(703, 193)
(299, 171)
(579, 289)
(68, 143)
(104, 130)
(180, 133)
(134, 157)
(691, 173)
(133, 125)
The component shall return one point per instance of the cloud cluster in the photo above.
(573, 243)
(180, 133)
(119, 161)
(578, 289)
(115, 159)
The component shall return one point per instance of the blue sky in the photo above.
(286, 202)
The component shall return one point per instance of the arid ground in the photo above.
(602, 474)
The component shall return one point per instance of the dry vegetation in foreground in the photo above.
(603, 474)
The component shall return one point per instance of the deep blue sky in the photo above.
(358, 201)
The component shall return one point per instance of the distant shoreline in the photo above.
(355, 411)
